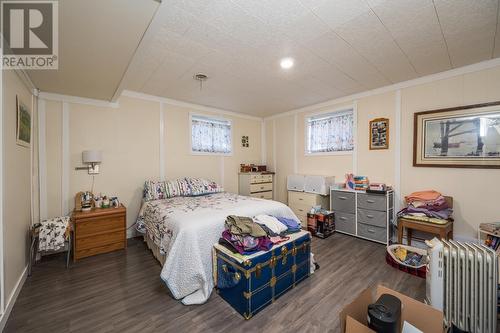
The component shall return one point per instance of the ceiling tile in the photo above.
(336, 51)
(469, 28)
(415, 27)
(370, 38)
(336, 13)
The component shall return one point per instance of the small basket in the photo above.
(394, 262)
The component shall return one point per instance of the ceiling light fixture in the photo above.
(200, 77)
(286, 63)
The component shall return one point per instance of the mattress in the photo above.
(184, 229)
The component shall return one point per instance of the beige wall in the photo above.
(17, 185)
(476, 200)
(129, 137)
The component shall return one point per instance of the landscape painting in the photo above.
(23, 131)
(466, 136)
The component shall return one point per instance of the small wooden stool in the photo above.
(444, 231)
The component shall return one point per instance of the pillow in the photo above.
(200, 186)
(186, 187)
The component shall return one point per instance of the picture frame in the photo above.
(379, 134)
(23, 124)
(458, 137)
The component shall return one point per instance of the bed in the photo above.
(181, 231)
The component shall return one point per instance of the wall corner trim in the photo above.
(13, 297)
(196, 107)
(401, 85)
(77, 100)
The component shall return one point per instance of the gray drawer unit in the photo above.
(343, 201)
(363, 214)
(372, 217)
(345, 222)
(372, 201)
(372, 232)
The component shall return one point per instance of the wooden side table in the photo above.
(444, 231)
(99, 231)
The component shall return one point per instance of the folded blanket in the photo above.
(422, 196)
(52, 234)
(441, 214)
(271, 222)
(425, 219)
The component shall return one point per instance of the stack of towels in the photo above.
(247, 235)
(428, 206)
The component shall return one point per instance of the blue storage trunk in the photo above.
(249, 283)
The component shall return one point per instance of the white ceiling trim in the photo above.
(401, 85)
(197, 107)
(77, 100)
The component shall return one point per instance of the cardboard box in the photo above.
(353, 318)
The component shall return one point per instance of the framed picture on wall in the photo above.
(23, 130)
(379, 133)
(459, 137)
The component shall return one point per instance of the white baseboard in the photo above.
(13, 298)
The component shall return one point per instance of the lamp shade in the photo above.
(91, 156)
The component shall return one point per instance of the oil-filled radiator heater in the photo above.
(462, 281)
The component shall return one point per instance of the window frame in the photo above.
(341, 110)
(214, 117)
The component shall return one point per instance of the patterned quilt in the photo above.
(185, 229)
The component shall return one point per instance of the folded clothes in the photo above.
(422, 196)
(441, 214)
(271, 222)
(262, 243)
(291, 224)
(242, 225)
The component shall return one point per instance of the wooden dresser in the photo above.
(302, 202)
(256, 184)
(99, 231)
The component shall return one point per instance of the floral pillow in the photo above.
(185, 187)
(200, 186)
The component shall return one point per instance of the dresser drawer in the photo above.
(372, 201)
(263, 195)
(267, 178)
(302, 199)
(372, 217)
(98, 250)
(345, 222)
(257, 179)
(99, 225)
(300, 210)
(261, 187)
(100, 240)
(372, 232)
(343, 201)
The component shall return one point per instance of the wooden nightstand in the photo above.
(99, 231)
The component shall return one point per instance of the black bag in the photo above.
(384, 316)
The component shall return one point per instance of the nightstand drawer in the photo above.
(261, 187)
(99, 225)
(98, 250)
(85, 243)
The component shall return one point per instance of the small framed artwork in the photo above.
(379, 134)
(23, 130)
(244, 141)
(459, 137)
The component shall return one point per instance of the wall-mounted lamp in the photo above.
(93, 158)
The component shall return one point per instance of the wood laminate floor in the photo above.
(122, 292)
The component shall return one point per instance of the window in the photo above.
(210, 135)
(330, 132)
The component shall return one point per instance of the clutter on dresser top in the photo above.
(252, 168)
(87, 201)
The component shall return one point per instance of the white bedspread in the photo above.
(186, 228)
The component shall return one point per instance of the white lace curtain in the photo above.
(210, 135)
(332, 132)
